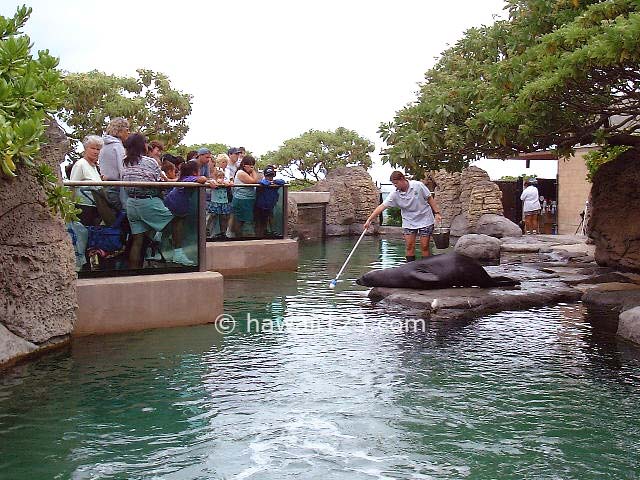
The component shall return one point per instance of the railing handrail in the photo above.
(119, 183)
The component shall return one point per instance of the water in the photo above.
(321, 384)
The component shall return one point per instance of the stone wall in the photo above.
(353, 197)
(614, 222)
(37, 268)
(466, 196)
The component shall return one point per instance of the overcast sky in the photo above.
(261, 72)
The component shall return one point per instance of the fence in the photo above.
(163, 227)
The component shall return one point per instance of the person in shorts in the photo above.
(266, 198)
(417, 207)
(146, 211)
(531, 206)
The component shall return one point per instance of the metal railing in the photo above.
(147, 233)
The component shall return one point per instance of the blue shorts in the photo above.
(420, 232)
(216, 208)
(146, 214)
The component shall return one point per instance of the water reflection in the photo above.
(331, 390)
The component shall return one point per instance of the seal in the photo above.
(437, 271)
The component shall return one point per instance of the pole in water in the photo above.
(334, 282)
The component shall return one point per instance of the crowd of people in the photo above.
(233, 201)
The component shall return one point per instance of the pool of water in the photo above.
(304, 382)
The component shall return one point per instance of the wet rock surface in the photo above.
(551, 269)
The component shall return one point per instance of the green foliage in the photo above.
(149, 102)
(556, 74)
(596, 158)
(30, 88)
(215, 148)
(297, 184)
(394, 217)
(511, 178)
(59, 198)
(314, 153)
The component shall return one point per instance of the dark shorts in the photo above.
(243, 209)
(262, 215)
(420, 232)
(532, 212)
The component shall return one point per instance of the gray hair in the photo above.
(92, 140)
(117, 125)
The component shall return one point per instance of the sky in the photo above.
(262, 72)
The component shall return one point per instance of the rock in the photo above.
(614, 223)
(466, 303)
(292, 217)
(480, 247)
(522, 247)
(459, 226)
(353, 197)
(464, 197)
(13, 347)
(629, 325)
(622, 298)
(497, 226)
(37, 262)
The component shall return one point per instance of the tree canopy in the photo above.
(316, 152)
(149, 102)
(555, 74)
(215, 148)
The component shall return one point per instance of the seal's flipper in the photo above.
(423, 276)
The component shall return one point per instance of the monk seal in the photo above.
(437, 271)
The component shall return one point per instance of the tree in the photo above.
(315, 152)
(30, 90)
(215, 148)
(149, 102)
(556, 74)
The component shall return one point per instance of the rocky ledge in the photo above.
(551, 269)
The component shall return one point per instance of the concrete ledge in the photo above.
(126, 304)
(310, 197)
(235, 258)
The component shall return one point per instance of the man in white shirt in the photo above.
(530, 206)
(234, 163)
(417, 207)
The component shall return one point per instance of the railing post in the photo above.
(285, 211)
(202, 229)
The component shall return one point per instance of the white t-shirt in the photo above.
(415, 210)
(530, 198)
(83, 171)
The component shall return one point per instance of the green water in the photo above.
(320, 384)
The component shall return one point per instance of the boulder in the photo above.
(13, 347)
(459, 226)
(629, 325)
(480, 247)
(353, 197)
(497, 226)
(37, 262)
(614, 221)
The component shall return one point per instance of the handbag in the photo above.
(109, 239)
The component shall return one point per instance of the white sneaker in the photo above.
(181, 258)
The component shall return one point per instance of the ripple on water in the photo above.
(330, 390)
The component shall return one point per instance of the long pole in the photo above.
(334, 282)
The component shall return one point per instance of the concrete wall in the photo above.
(125, 304)
(573, 191)
(234, 258)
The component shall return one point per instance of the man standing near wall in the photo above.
(417, 207)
